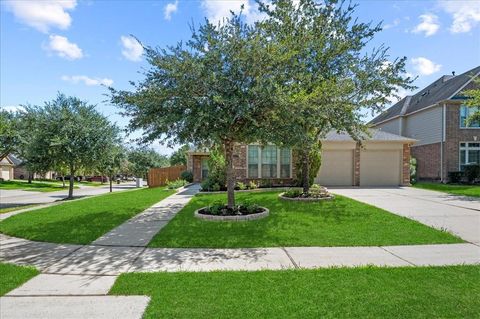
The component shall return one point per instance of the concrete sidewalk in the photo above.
(457, 214)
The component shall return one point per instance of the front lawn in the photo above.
(12, 276)
(36, 186)
(14, 208)
(82, 221)
(341, 222)
(464, 190)
(427, 292)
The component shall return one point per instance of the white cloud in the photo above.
(75, 79)
(465, 14)
(42, 15)
(429, 25)
(64, 48)
(392, 25)
(132, 49)
(12, 108)
(424, 66)
(169, 9)
(218, 10)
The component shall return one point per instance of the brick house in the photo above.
(436, 117)
(381, 159)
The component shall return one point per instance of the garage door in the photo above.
(380, 168)
(5, 173)
(336, 169)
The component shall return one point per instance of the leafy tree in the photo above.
(210, 91)
(179, 157)
(9, 133)
(144, 158)
(67, 132)
(326, 77)
(473, 100)
(112, 161)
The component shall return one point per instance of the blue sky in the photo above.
(75, 46)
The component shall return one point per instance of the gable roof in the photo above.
(15, 160)
(444, 88)
(376, 135)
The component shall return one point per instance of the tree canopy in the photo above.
(179, 157)
(141, 159)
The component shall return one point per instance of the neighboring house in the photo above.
(20, 171)
(436, 117)
(6, 169)
(381, 160)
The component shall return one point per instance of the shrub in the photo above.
(176, 184)
(413, 170)
(217, 168)
(315, 161)
(472, 172)
(187, 175)
(252, 185)
(241, 186)
(293, 193)
(317, 191)
(455, 177)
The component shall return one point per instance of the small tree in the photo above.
(67, 132)
(143, 158)
(473, 100)
(211, 91)
(9, 133)
(179, 157)
(112, 162)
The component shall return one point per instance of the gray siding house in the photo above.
(436, 118)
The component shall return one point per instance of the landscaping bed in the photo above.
(13, 276)
(222, 212)
(340, 222)
(316, 193)
(82, 221)
(368, 292)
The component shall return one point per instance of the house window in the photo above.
(253, 161)
(285, 161)
(269, 161)
(469, 154)
(204, 168)
(467, 111)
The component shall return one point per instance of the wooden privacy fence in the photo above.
(159, 176)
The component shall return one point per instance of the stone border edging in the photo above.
(259, 189)
(306, 199)
(236, 218)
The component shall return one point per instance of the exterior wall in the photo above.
(393, 126)
(428, 161)
(6, 172)
(425, 126)
(197, 167)
(454, 135)
(20, 172)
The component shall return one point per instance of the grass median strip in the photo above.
(83, 221)
(463, 190)
(341, 222)
(13, 276)
(427, 292)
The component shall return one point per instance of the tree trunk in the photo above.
(63, 180)
(306, 171)
(230, 174)
(111, 178)
(70, 186)
(30, 177)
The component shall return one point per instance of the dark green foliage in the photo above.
(187, 175)
(364, 292)
(217, 178)
(315, 161)
(179, 157)
(455, 177)
(141, 159)
(413, 170)
(472, 172)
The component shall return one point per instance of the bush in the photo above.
(252, 185)
(241, 186)
(472, 172)
(293, 193)
(455, 177)
(413, 170)
(187, 175)
(317, 191)
(315, 161)
(176, 184)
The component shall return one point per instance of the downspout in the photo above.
(444, 111)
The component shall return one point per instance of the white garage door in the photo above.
(5, 173)
(380, 168)
(336, 169)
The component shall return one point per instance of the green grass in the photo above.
(341, 222)
(36, 186)
(464, 190)
(82, 221)
(14, 208)
(12, 276)
(426, 292)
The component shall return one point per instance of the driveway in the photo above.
(457, 214)
(15, 197)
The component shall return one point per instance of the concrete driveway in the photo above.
(457, 214)
(15, 197)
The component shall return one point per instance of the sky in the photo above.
(80, 47)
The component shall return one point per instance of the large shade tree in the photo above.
(211, 90)
(67, 132)
(326, 75)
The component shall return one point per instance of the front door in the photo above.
(204, 168)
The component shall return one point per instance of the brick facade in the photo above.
(428, 161)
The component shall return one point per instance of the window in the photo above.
(285, 160)
(204, 168)
(465, 112)
(269, 162)
(253, 161)
(469, 154)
